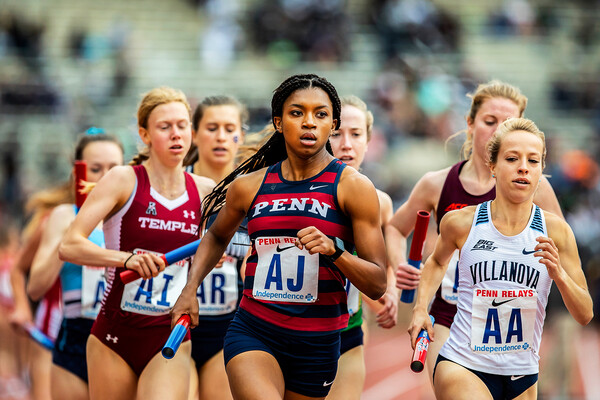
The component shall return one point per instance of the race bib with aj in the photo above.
(285, 273)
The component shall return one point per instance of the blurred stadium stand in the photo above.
(66, 65)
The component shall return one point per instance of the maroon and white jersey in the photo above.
(149, 222)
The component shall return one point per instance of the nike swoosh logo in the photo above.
(280, 249)
(499, 303)
(327, 383)
(516, 378)
(526, 252)
(316, 187)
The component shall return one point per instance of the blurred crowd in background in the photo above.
(67, 65)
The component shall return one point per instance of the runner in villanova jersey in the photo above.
(152, 207)
(466, 183)
(306, 214)
(510, 252)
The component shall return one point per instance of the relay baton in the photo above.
(169, 258)
(39, 336)
(80, 178)
(416, 250)
(418, 361)
(176, 337)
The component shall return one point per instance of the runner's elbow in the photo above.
(378, 287)
(64, 250)
(33, 292)
(586, 317)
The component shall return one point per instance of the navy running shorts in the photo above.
(308, 360)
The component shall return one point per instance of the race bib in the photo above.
(503, 321)
(218, 292)
(155, 296)
(285, 273)
(93, 283)
(450, 281)
(353, 298)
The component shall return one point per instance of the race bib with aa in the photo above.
(503, 321)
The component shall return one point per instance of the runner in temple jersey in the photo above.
(148, 209)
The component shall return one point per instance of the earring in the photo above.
(493, 176)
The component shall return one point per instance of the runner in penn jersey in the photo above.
(511, 251)
(147, 209)
(349, 143)
(468, 182)
(82, 287)
(306, 213)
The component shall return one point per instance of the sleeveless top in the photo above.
(149, 222)
(454, 197)
(83, 287)
(502, 298)
(284, 285)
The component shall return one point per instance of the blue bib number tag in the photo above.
(450, 281)
(218, 292)
(285, 273)
(93, 284)
(353, 298)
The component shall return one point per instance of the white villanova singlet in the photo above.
(503, 292)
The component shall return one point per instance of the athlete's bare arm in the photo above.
(454, 230)
(358, 199)
(559, 254)
(21, 313)
(109, 195)
(46, 265)
(424, 196)
(240, 194)
(387, 314)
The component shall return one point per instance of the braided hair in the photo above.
(274, 149)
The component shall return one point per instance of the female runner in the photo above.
(82, 287)
(218, 126)
(349, 143)
(150, 208)
(510, 253)
(468, 182)
(306, 213)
